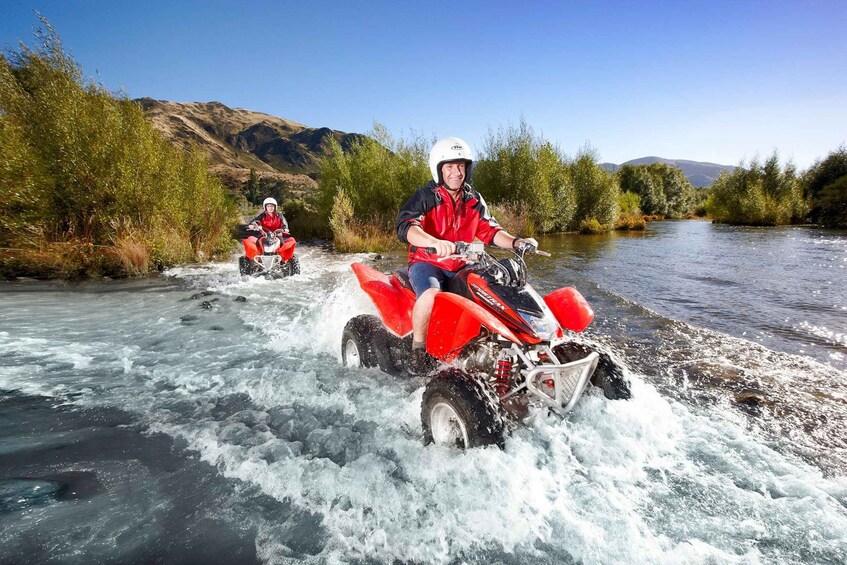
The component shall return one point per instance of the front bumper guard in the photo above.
(560, 386)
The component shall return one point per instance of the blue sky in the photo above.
(706, 81)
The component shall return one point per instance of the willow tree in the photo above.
(88, 186)
(759, 194)
(521, 171)
(370, 182)
(825, 187)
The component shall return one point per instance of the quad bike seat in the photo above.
(403, 278)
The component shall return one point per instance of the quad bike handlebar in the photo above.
(264, 232)
(469, 251)
(508, 271)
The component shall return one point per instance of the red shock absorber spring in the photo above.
(501, 376)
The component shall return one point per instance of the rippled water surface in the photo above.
(202, 417)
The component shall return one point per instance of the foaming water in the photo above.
(255, 388)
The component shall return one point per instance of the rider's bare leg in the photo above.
(421, 313)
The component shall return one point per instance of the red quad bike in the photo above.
(503, 348)
(269, 256)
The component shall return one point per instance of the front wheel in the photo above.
(608, 375)
(460, 411)
(294, 265)
(244, 266)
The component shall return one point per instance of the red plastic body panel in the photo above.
(251, 248)
(455, 321)
(571, 309)
(521, 329)
(286, 250)
(393, 302)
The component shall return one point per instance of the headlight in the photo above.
(546, 327)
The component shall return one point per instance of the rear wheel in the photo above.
(460, 411)
(363, 342)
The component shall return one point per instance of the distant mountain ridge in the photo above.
(238, 140)
(700, 174)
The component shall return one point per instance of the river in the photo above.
(202, 417)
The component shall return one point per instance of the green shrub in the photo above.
(630, 216)
(764, 195)
(592, 226)
(597, 192)
(823, 187)
(84, 174)
(367, 185)
(520, 170)
(832, 203)
(664, 190)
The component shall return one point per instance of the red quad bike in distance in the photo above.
(503, 348)
(269, 256)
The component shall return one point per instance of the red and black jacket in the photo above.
(432, 208)
(271, 222)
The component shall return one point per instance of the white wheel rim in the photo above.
(351, 354)
(447, 427)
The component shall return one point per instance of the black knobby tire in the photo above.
(364, 343)
(294, 265)
(465, 402)
(244, 266)
(608, 375)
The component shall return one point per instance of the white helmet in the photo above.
(267, 201)
(449, 149)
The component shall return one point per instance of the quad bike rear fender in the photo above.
(393, 302)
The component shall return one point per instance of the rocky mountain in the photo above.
(699, 174)
(238, 140)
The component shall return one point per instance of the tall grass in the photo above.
(87, 186)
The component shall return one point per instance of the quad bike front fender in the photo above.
(455, 321)
(572, 310)
(393, 303)
(286, 250)
(251, 249)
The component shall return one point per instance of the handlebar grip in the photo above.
(431, 250)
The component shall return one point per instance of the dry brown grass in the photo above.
(515, 220)
(632, 223)
(592, 226)
(362, 238)
(131, 255)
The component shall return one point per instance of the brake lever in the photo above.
(525, 248)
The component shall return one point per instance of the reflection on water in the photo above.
(785, 288)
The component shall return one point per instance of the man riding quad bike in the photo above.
(270, 251)
(502, 348)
